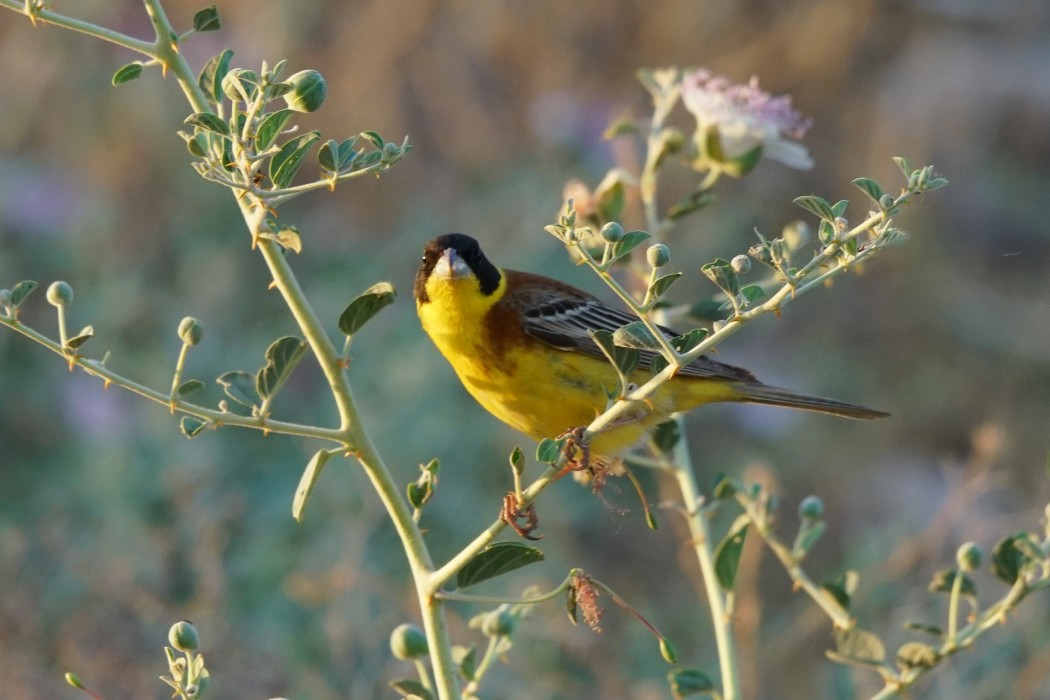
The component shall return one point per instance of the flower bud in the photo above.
(183, 636)
(191, 331)
(658, 255)
(60, 294)
(308, 91)
(741, 264)
(408, 642)
(969, 556)
(886, 201)
(612, 232)
(499, 623)
(391, 150)
(811, 508)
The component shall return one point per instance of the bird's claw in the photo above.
(511, 513)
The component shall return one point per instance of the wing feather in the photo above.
(564, 317)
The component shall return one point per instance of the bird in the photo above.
(522, 346)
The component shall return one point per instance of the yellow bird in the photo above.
(522, 346)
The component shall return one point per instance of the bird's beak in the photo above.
(451, 266)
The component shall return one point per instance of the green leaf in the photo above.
(190, 387)
(815, 205)
(661, 284)
(208, 122)
(743, 164)
(610, 196)
(725, 488)
(712, 144)
(239, 386)
(944, 580)
(126, 74)
(549, 451)
(869, 187)
(625, 359)
(270, 128)
(1007, 560)
(374, 138)
(839, 207)
(932, 630)
(721, 273)
(465, 659)
(859, 645)
(211, 76)
(690, 681)
(421, 490)
(517, 461)
(191, 427)
(697, 200)
(808, 534)
(905, 166)
(687, 341)
(624, 126)
(666, 436)
(286, 238)
(668, 651)
(842, 588)
(207, 20)
(80, 338)
(571, 604)
(364, 307)
(307, 482)
(281, 358)
(287, 161)
(917, 655)
(22, 291)
(630, 241)
(496, 560)
(752, 293)
(408, 687)
(635, 335)
(728, 551)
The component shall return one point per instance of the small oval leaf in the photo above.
(207, 20)
(367, 305)
(727, 554)
(281, 358)
(127, 73)
(496, 560)
(190, 387)
(239, 386)
(191, 427)
(21, 291)
(287, 161)
(308, 481)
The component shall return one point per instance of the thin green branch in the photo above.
(840, 618)
(213, 416)
(497, 600)
(46, 16)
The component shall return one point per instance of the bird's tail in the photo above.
(775, 396)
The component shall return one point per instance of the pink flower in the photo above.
(745, 117)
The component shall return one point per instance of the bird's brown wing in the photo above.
(564, 317)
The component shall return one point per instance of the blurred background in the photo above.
(113, 525)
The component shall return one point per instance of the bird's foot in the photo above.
(511, 513)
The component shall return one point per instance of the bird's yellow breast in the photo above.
(534, 387)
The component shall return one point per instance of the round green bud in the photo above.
(658, 255)
(741, 264)
(811, 508)
(60, 294)
(191, 331)
(969, 556)
(391, 150)
(612, 232)
(183, 636)
(408, 642)
(499, 623)
(308, 91)
(886, 201)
